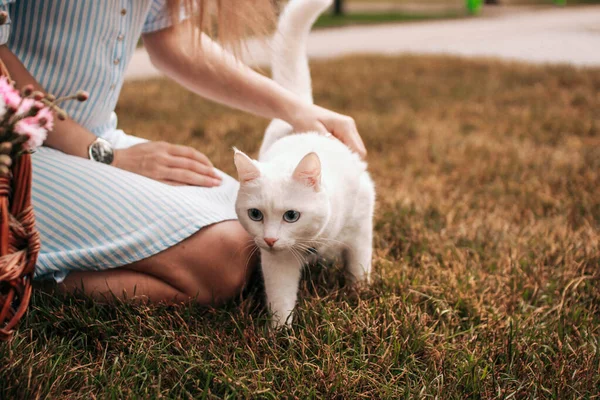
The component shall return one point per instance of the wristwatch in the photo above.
(101, 151)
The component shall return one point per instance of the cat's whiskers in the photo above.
(254, 250)
(304, 247)
(306, 250)
(249, 244)
(294, 255)
(323, 241)
(297, 255)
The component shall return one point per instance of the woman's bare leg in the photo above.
(209, 267)
(124, 284)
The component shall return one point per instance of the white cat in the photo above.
(307, 192)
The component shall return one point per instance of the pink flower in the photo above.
(11, 96)
(25, 106)
(5, 85)
(31, 128)
(45, 118)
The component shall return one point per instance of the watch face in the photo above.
(101, 151)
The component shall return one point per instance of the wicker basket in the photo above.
(19, 242)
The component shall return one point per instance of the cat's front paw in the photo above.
(277, 322)
(366, 280)
(360, 276)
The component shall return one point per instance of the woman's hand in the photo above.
(319, 119)
(168, 163)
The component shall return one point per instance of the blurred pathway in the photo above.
(554, 35)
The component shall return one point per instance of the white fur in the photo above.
(290, 60)
(309, 173)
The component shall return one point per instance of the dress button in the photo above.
(123, 11)
(112, 87)
(117, 61)
(120, 37)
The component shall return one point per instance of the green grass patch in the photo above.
(330, 20)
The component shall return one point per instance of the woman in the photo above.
(117, 214)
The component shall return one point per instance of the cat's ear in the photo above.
(308, 171)
(246, 169)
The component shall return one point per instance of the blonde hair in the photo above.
(227, 21)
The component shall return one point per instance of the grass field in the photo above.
(487, 259)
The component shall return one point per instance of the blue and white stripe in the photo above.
(69, 45)
(92, 216)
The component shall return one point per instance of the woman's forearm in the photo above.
(67, 136)
(217, 75)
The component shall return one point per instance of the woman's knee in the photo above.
(224, 260)
(210, 267)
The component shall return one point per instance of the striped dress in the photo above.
(93, 216)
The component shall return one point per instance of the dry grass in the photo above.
(487, 254)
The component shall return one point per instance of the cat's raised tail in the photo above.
(289, 59)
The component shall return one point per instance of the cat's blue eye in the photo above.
(291, 216)
(255, 214)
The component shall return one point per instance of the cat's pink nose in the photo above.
(270, 241)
